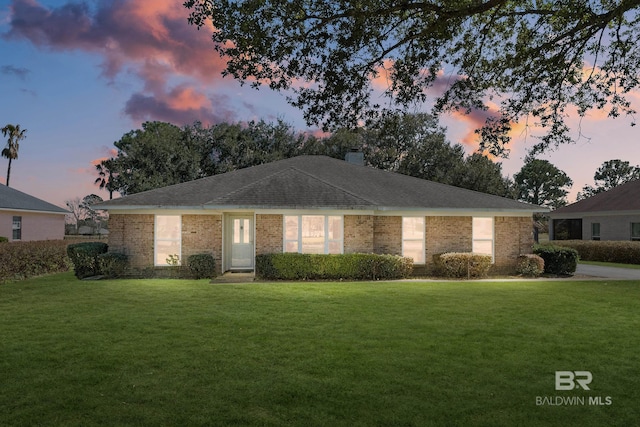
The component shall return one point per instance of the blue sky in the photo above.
(78, 76)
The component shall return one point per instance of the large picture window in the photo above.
(313, 234)
(413, 239)
(168, 241)
(482, 236)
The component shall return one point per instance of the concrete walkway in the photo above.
(608, 272)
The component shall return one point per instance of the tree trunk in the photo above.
(9, 172)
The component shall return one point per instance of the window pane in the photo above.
(414, 249)
(413, 228)
(335, 247)
(335, 228)
(483, 228)
(246, 228)
(312, 245)
(236, 231)
(164, 248)
(635, 229)
(168, 227)
(291, 246)
(482, 247)
(291, 227)
(312, 226)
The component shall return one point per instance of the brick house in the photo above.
(24, 217)
(315, 204)
(610, 215)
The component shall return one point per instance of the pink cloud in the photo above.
(153, 40)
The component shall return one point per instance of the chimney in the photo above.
(355, 157)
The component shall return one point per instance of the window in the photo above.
(482, 232)
(635, 231)
(595, 231)
(413, 239)
(313, 234)
(17, 228)
(168, 235)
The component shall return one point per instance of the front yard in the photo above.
(178, 352)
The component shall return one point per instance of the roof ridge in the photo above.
(373, 202)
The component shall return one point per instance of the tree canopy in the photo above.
(523, 61)
(162, 154)
(609, 175)
(541, 183)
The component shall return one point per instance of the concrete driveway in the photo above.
(608, 272)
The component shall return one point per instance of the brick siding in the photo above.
(358, 234)
(387, 235)
(133, 236)
(202, 234)
(447, 234)
(513, 236)
(268, 234)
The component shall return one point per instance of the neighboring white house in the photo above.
(25, 218)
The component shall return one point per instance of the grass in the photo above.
(611, 264)
(178, 352)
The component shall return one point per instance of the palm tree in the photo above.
(15, 134)
(105, 176)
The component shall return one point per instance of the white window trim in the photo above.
(492, 239)
(422, 240)
(155, 241)
(327, 241)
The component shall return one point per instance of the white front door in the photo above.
(241, 235)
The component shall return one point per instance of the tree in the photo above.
(609, 175)
(480, 173)
(105, 179)
(541, 183)
(15, 135)
(535, 59)
(76, 212)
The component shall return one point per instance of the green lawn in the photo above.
(188, 353)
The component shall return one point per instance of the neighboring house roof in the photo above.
(12, 199)
(625, 197)
(316, 182)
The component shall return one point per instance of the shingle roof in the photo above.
(625, 197)
(12, 199)
(315, 182)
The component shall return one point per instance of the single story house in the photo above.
(610, 215)
(314, 204)
(24, 217)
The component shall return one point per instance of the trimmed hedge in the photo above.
(557, 259)
(202, 266)
(620, 251)
(84, 257)
(462, 264)
(112, 264)
(530, 265)
(293, 266)
(4, 239)
(21, 260)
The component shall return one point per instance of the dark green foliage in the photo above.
(21, 260)
(557, 259)
(530, 265)
(623, 252)
(3, 239)
(293, 266)
(112, 264)
(462, 265)
(84, 257)
(541, 183)
(202, 266)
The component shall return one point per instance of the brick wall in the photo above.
(447, 234)
(202, 234)
(387, 235)
(358, 234)
(133, 236)
(269, 235)
(513, 236)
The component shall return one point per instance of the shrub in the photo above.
(293, 266)
(112, 264)
(530, 265)
(84, 257)
(557, 260)
(202, 266)
(460, 265)
(3, 239)
(623, 252)
(21, 260)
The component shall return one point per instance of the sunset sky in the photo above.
(78, 76)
